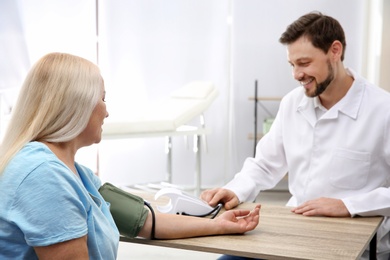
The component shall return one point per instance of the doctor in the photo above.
(331, 134)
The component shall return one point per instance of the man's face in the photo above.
(311, 66)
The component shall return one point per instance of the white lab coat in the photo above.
(345, 154)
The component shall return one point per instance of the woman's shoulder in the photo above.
(32, 156)
(34, 163)
(34, 151)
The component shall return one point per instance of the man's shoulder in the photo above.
(376, 94)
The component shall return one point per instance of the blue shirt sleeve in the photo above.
(50, 207)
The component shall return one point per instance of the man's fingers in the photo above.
(218, 197)
(213, 197)
(231, 203)
(208, 195)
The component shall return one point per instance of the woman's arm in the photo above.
(170, 226)
(72, 249)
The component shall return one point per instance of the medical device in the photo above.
(181, 203)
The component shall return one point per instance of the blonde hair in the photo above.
(54, 104)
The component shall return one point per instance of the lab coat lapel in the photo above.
(306, 109)
(352, 101)
(349, 105)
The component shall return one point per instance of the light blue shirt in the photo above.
(43, 203)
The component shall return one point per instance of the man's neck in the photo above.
(337, 89)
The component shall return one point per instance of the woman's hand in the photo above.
(239, 221)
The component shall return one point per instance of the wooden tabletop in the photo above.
(283, 235)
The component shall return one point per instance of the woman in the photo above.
(50, 206)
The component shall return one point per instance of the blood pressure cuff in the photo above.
(127, 209)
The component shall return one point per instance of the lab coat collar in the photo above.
(348, 105)
(307, 108)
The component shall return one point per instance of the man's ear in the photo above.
(336, 50)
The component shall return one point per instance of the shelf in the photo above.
(251, 136)
(257, 101)
(265, 98)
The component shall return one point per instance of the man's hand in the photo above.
(323, 207)
(215, 196)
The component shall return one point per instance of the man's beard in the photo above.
(321, 87)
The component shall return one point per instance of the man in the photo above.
(331, 134)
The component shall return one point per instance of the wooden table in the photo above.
(284, 235)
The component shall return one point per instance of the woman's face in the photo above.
(93, 132)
